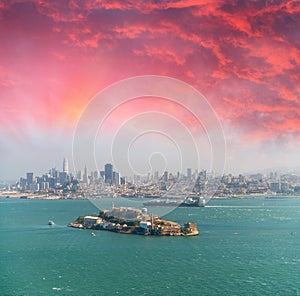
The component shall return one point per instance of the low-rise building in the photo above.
(191, 226)
(145, 224)
(89, 221)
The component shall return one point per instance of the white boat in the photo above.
(51, 223)
(93, 234)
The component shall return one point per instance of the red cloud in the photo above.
(244, 56)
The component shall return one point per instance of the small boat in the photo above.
(51, 223)
(93, 234)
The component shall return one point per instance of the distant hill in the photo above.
(278, 169)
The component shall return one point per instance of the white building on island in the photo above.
(89, 221)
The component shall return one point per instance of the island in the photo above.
(134, 221)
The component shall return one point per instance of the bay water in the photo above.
(246, 247)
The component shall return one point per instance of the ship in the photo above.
(140, 195)
(188, 202)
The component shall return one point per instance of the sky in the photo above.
(242, 56)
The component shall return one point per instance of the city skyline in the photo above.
(61, 184)
(188, 171)
(243, 57)
(109, 174)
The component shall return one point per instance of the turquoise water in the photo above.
(245, 247)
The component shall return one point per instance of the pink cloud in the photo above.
(62, 53)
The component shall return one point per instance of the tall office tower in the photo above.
(96, 175)
(63, 178)
(189, 173)
(85, 175)
(171, 177)
(29, 177)
(203, 175)
(165, 177)
(79, 175)
(116, 178)
(156, 176)
(149, 177)
(65, 166)
(108, 173)
(53, 172)
(196, 173)
(23, 183)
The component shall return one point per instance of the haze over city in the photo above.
(242, 56)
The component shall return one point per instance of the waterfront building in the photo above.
(44, 186)
(190, 226)
(284, 187)
(34, 186)
(297, 189)
(23, 183)
(274, 186)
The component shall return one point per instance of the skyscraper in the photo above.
(116, 178)
(79, 175)
(65, 166)
(189, 173)
(63, 178)
(85, 175)
(108, 173)
(165, 176)
(30, 178)
(156, 176)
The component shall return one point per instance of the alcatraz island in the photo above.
(134, 221)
